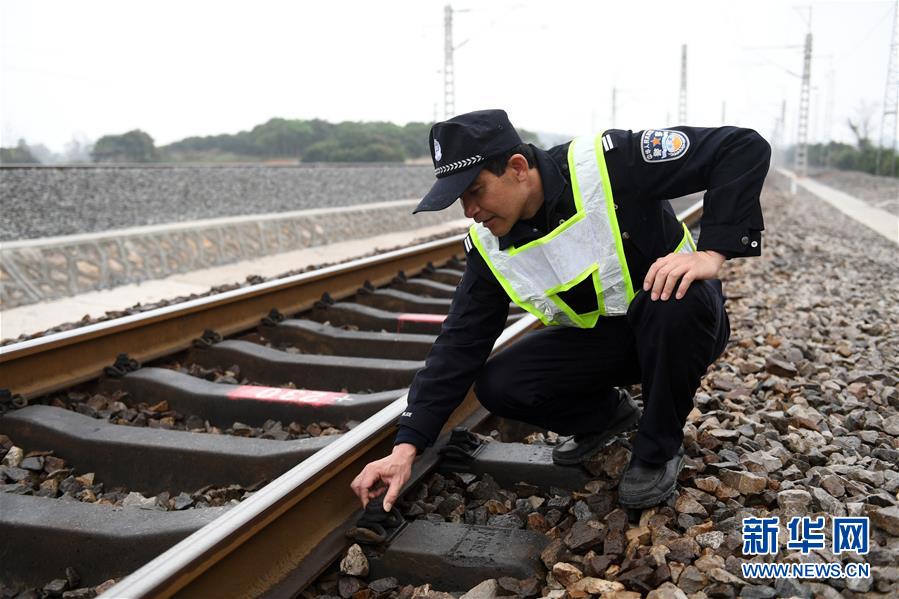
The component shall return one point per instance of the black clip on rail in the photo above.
(122, 366)
(273, 318)
(366, 289)
(208, 339)
(11, 401)
(460, 451)
(325, 302)
(372, 527)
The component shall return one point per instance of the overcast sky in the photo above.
(188, 67)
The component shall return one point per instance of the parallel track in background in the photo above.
(39, 366)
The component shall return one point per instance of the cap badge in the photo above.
(438, 154)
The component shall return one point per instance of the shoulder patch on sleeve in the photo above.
(607, 144)
(468, 244)
(662, 145)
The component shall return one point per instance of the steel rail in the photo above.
(279, 540)
(38, 366)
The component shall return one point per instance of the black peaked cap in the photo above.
(459, 148)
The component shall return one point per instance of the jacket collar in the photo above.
(554, 184)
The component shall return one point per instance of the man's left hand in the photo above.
(695, 266)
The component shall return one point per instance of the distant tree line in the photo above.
(852, 158)
(277, 140)
(309, 141)
(134, 146)
(313, 141)
(862, 156)
(20, 154)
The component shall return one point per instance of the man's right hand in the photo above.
(393, 471)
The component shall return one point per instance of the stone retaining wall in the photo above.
(49, 268)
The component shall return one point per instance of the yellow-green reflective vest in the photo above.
(586, 245)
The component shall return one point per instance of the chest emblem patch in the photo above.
(659, 145)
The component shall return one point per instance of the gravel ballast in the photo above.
(799, 417)
(42, 474)
(52, 201)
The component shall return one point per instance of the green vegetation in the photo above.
(20, 154)
(863, 156)
(852, 158)
(134, 146)
(311, 141)
(278, 140)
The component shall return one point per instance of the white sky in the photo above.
(191, 67)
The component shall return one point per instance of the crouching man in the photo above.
(581, 236)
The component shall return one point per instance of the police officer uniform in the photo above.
(565, 378)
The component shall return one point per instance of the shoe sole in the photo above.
(621, 427)
(655, 500)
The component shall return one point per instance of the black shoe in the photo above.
(581, 447)
(644, 485)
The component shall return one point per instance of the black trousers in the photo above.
(563, 378)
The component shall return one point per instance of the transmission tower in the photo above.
(682, 101)
(449, 84)
(802, 137)
(890, 99)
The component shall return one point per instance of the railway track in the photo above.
(297, 406)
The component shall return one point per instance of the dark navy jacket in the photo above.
(729, 162)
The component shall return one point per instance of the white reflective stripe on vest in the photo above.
(587, 167)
